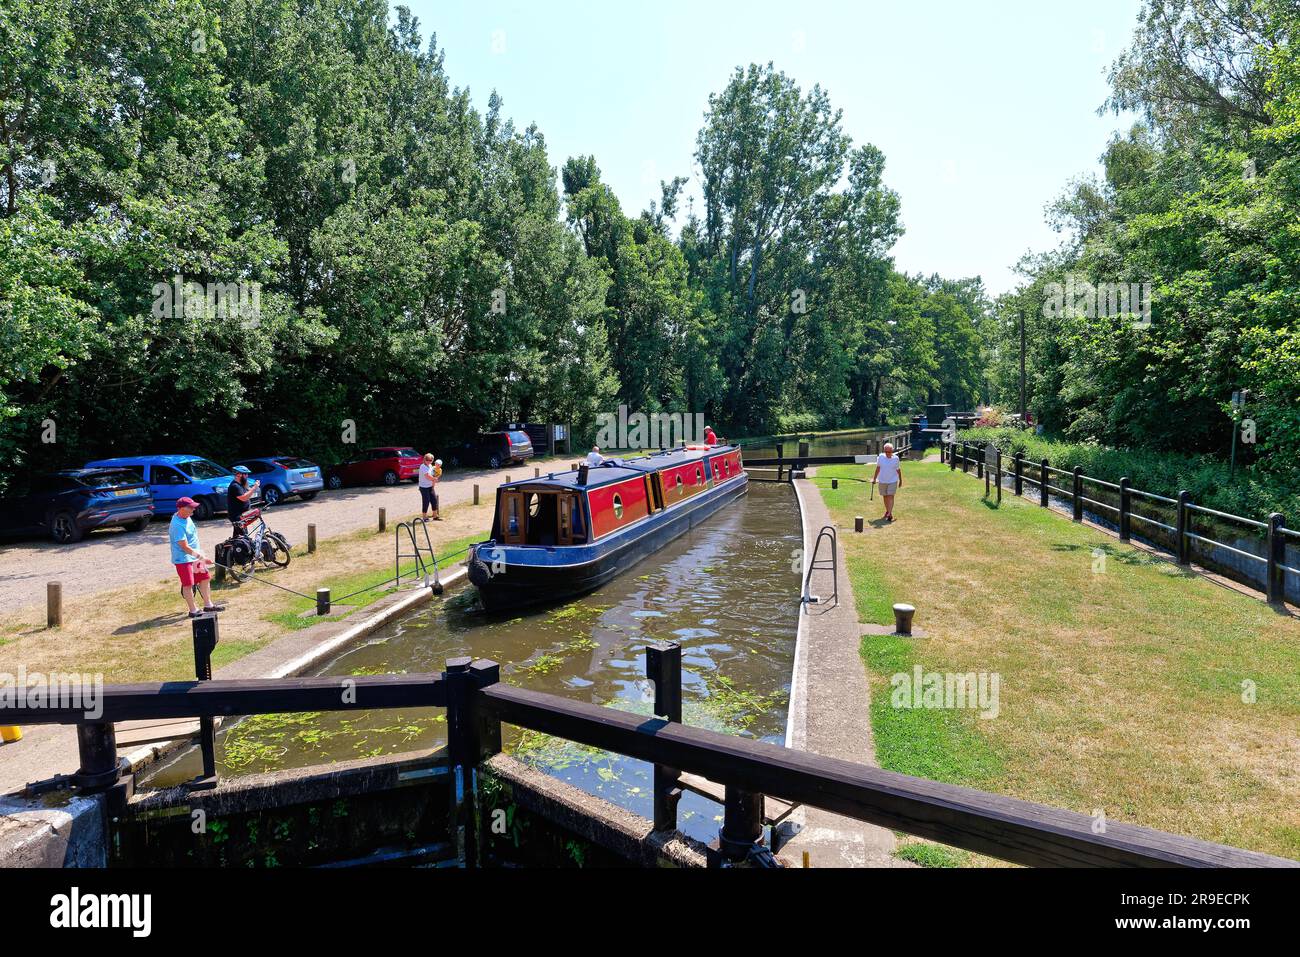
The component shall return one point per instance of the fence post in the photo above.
(1276, 589)
(979, 464)
(476, 493)
(311, 539)
(742, 823)
(1042, 488)
(998, 477)
(965, 458)
(54, 604)
(663, 666)
(1125, 508)
(1078, 493)
(952, 456)
(1020, 473)
(206, 635)
(1183, 516)
(383, 519)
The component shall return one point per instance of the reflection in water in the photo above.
(727, 591)
(839, 443)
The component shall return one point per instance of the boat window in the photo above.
(699, 475)
(618, 506)
(680, 490)
(726, 467)
(534, 504)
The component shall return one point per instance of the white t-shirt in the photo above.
(889, 466)
(426, 476)
(594, 459)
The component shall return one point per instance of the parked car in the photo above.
(389, 465)
(171, 477)
(285, 475)
(493, 449)
(66, 505)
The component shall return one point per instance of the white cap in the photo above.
(437, 461)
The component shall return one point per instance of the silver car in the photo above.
(285, 475)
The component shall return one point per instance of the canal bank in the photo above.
(830, 700)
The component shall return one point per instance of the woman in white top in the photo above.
(430, 472)
(889, 470)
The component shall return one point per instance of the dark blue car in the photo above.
(67, 505)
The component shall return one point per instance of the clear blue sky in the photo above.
(984, 110)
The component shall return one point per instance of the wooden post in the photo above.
(1276, 578)
(1020, 473)
(1078, 493)
(742, 823)
(663, 666)
(507, 482)
(1044, 478)
(311, 539)
(952, 456)
(1125, 508)
(965, 457)
(54, 605)
(475, 494)
(997, 479)
(383, 519)
(1183, 546)
(979, 466)
(537, 473)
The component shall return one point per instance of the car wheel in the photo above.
(204, 511)
(307, 496)
(271, 496)
(63, 528)
(494, 462)
(335, 482)
(390, 477)
(139, 525)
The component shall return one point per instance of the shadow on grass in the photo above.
(162, 621)
(1121, 554)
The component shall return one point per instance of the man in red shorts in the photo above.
(187, 556)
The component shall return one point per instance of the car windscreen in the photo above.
(291, 463)
(202, 469)
(519, 438)
(407, 454)
(109, 479)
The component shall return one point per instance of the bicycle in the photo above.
(256, 546)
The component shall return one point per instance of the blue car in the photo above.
(171, 477)
(67, 505)
(285, 475)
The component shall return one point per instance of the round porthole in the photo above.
(618, 506)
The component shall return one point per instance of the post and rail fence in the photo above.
(478, 703)
(1178, 537)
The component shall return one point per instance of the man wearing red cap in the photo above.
(187, 556)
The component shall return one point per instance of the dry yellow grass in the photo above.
(143, 634)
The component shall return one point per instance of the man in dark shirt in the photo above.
(239, 497)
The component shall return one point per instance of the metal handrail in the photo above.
(1233, 518)
(827, 532)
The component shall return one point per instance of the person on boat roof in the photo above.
(594, 458)
(709, 437)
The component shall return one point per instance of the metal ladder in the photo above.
(831, 564)
(422, 572)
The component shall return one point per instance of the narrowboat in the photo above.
(568, 533)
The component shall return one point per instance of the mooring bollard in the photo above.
(742, 823)
(383, 519)
(903, 618)
(9, 733)
(54, 604)
(475, 494)
(835, 483)
(311, 539)
(857, 524)
(322, 601)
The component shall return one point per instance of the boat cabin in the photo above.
(580, 507)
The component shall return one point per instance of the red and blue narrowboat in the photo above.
(570, 532)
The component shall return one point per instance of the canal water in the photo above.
(727, 591)
(836, 443)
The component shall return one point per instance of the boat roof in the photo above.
(620, 470)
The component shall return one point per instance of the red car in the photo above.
(388, 465)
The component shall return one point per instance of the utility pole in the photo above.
(1023, 410)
